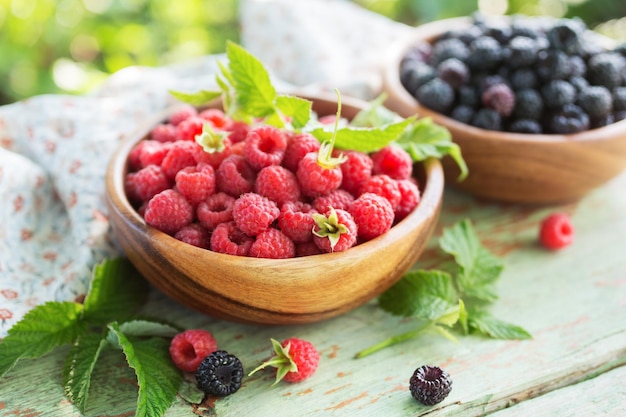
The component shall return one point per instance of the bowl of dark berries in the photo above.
(291, 215)
(537, 105)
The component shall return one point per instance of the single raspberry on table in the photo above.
(295, 360)
(296, 221)
(194, 234)
(169, 212)
(179, 156)
(556, 231)
(216, 209)
(356, 169)
(147, 182)
(278, 184)
(254, 213)
(299, 145)
(384, 186)
(189, 348)
(334, 231)
(392, 161)
(220, 374)
(410, 198)
(195, 183)
(372, 214)
(264, 146)
(272, 243)
(228, 239)
(430, 384)
(235, 176)
(337, 199)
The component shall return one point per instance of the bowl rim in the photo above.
(427, 32)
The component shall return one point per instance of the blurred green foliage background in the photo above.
(70, 46)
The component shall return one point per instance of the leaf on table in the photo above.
(486, 324)
(42, 329)
(116, 291)
(79, 366)
(427, 295)
(157, 377)
(479, 268)
(149, 328)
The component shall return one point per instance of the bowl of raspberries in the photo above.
(536, 104)
(253, 223)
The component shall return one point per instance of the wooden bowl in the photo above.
(267, 291)
(535, 169)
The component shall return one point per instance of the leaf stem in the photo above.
(393, 340)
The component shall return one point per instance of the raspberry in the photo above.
(148, 182)
(134, 156)
(217, 118)
(164, 132)
(235, 176)
(410, 199)
(392, 161)
(384, 186)
(355, 170)
(372, 214)
(216, 209)
(196, 183)
(215, 157)
(556, 231)
(272, 243)
(307, 249)
(220, 374)
(296, 221)
(238, 131)
(183, 113)
(298, 146)
(194, 234)
(500, 98)
(154, 153)
(316, 179)
(295, 360)
(254, 213)
(227, 238)
(278, 184)
(189, 348)
(168, 211)
(179, 156)
(337, 199)
(430, 384)
(189, 128)
(335, 231)
(265, 146)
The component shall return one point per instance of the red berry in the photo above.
(216, 209)
(254, 213)
(296, 221)
(194, 234)
(214, 158)
(337, 199)
(372, 214)
(227, 238)
(148, 182)
(238, 131)
(556, 231)
(189, 128)
(307, 249)
(356, 170)
(179, 156)
(196, 183)
(295, 360)
(169, 212)
(298, 146)
(165, 132)
(278, 184)
(235, 176)
(154, 153)
(393, 161)
(183, 113)
(272, 243)
(189, 348)
(316, 179)
(264, 146)
(384, 186)
(410, 198)
(217, 118)
(335, 231)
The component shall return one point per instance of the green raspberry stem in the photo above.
(393, 340)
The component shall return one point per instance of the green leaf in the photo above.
(41, 330)
(157, 377)
(148, 328)
(375, 114)
(79, 365)
(484, 323)
(364, 139)
(255, 93)
(197, 98)
(425, 139)
(296, 108)
(479, 268)
(425, 294)
(117, 290)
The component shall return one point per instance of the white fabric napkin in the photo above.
(54, 148)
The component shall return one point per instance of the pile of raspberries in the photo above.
(526, 75)
(261, 192)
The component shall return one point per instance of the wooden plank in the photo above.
(573, 302)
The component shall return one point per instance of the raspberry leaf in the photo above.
(484, 323)
(297, 109)
(197, 98)
(148, 328)
(375, 114)
(157, 377)
(42, 329)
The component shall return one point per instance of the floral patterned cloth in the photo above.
(54, 148)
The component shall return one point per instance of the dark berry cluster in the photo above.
(525, 75)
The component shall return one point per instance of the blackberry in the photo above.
(453, 71)
(487, 119)
(220, 374)
(558, 93)
(606, 69)
(619, 115)
(578, 67)
(430, 384)
(596, 101)
(579, 83)
(500, 98)
(571, 119)
(436, 95)
(523, 26)
(553, 64)
(621, 49)
(566, 34)
(602, 121)
(449, 48)
(526, 126)
(528, 104)
(485, 53)
(619, 98)
(523, 78)
(414, 74)
(500, 32)
(522, 52)
(462, 113)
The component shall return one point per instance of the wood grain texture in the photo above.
(269, 291)
(511, 167)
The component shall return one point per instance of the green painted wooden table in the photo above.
(572, 301)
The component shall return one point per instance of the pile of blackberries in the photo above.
(525, 75)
